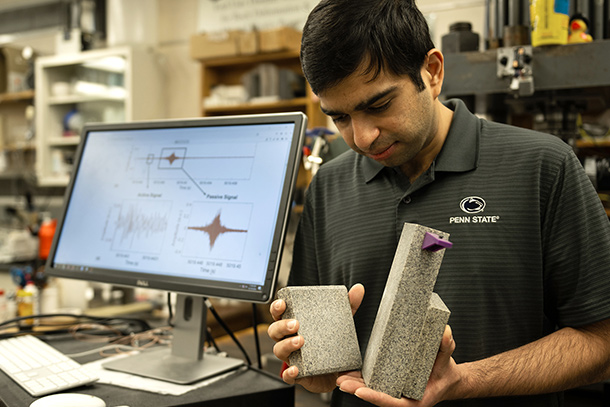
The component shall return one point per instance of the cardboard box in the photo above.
(248, 42)
(13, 70)
(224, 44)
(280, 39)
(215, 45)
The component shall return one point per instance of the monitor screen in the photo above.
(194, 206)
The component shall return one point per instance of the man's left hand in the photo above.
(443, 379)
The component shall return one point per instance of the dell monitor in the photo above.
(196, 206)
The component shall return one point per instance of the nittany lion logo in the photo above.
(472, 204)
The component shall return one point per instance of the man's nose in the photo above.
(365, 133)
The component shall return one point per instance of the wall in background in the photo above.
(177, 20)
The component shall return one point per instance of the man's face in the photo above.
(386, 119)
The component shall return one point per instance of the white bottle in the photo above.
(31, 287)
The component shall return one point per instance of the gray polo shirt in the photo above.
(531, 239)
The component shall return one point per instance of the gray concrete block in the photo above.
(394, 345)
(437, 317)
(327, 327)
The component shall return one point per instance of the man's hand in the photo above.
(443, 378)
(285, 334)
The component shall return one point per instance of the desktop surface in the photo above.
(249, 386)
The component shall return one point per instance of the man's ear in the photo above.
(434, 68)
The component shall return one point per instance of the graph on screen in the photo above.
(137, 225)
(195, 164)
(217, 230)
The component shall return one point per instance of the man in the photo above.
(528, 278)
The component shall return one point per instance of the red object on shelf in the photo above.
(45, 237)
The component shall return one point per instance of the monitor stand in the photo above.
(185, 361)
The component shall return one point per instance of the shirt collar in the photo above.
(460, 153)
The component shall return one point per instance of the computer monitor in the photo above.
(196, 206)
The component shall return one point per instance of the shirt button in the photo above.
(407, 199)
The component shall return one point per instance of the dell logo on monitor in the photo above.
(142, 283)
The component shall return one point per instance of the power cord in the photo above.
(256, 339)
(133, 324)
(210, 337)
(170, 316)
(227, 330)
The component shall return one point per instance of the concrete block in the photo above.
(437, 317)
(327, 327)
(393, 351)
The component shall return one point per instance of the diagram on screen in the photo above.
(217, 231)
(137, 225)
(208, 163)
(172, 158)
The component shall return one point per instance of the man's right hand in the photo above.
(285, 334)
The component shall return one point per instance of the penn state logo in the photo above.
(472, 204)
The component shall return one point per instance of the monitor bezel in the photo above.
(183, 285)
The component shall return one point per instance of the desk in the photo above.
(251, 387)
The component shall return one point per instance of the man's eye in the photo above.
(381, 108)
(339, 119)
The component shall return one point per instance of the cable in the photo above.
(170, 317)
(143, 325)
(211, 340)
(256, 339)
(100, 350)
(227, 330)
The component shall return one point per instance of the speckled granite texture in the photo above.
(400, 334)
(437, 317)
(327, 327)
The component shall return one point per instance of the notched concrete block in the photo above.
(401, 335)
(437, 317)
(327, 327)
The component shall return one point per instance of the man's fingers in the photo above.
(276, 309)
(380, 399)
(356, 294)
(350, 382)
(447, 343)
(283, 328)
(350, 376)
(284, 348)
(290, 375)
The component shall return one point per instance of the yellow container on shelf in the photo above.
(550, 20)
(25, 306)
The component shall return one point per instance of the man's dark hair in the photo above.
(340, 34)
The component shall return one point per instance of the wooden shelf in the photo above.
(20, 147)
(592, 147)
(64, 141)
(605, 143)
(17, 96)
(230, 70)
(54, 180)
(70, 99)
(245, 108)
(250, 59)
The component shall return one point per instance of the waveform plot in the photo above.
(139, 225)
(172, 158)
(218, 231)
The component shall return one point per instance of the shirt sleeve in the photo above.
(576, 243)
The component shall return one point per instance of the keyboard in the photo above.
(39, 368)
